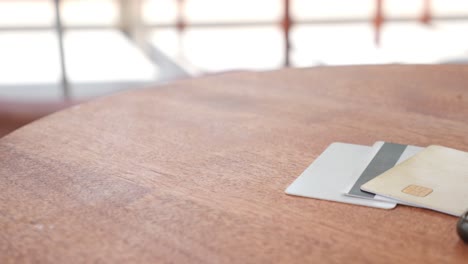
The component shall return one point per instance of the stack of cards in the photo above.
(388, 174)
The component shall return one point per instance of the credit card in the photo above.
(385, 155)
(328, 177)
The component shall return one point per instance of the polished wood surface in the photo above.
(195, 171)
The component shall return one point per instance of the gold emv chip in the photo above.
(417, 190)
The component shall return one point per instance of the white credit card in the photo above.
(385, 155)
(330, 175)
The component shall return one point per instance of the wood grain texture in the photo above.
(195, 171)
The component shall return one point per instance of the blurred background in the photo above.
(55, 53)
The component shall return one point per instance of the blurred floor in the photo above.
(105, 58)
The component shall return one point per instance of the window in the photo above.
(115, 44)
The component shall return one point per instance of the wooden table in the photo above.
(195, 171)
(15, 114)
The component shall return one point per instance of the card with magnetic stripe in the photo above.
(387, 156)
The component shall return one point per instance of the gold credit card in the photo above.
(435, 178)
